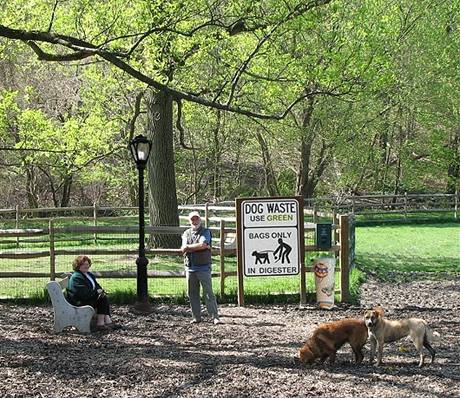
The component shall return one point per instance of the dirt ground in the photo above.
(251, 354)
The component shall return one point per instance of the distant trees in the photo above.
(52, 136)
(243, 98)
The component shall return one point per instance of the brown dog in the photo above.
(383, 330)
(329, 337)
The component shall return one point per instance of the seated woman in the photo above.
(83, 289)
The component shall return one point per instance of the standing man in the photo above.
(196, 247)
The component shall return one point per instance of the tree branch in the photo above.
(81, 48)
(299, 10)
(72, 43)
(32, 150)
(56, 2)
(179, 126)
(136, 113)
(42, 56)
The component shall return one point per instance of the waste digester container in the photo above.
(324, 267)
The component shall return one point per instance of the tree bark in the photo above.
(217, 149)
(306, 175)
(312, 162)
(31, 186)
(66, 189)
(270, 178)
(161, 175)
(453, 168)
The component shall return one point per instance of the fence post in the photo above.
(206, 214)
(239, 265)
(336, 237)
(344, 259)
(405, 205)
(240, 284)
(303, 276)
(351, 242)
(52, 253)
(17, 224)
(222, 258)
(456, 204)
(95, 222)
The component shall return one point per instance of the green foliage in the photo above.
(381, 78)
(357, 278)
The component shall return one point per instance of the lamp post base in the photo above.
(142, 305)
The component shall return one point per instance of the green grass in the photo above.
(389, 252)
(393, 251)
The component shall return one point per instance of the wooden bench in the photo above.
(66, 314)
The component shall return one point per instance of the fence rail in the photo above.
(326, 206)
(369, 205)
(341, 249)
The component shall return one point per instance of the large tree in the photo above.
(156, 44)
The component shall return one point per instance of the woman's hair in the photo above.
(77, 263)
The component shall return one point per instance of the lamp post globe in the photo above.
(140, 147)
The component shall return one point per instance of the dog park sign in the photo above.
(271, 234)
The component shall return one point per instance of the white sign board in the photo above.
(270, 236)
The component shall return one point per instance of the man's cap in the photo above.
(193, 214)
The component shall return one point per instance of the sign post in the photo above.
(270, 236)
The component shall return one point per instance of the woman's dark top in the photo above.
(80, 290)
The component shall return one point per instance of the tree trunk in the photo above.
(398, 153)
(311, 178)
(312, 162)
(270, 178)
(161, 175)
(304, 166)
(66, 188)
(217, 149)
(31, 186)
(453, 168)
(304, 187)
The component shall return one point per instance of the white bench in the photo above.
(66, 314)
(229, 242)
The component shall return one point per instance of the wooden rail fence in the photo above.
(213, 213)
(343, 249)
(405, 204)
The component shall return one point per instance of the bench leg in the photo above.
(80, 317)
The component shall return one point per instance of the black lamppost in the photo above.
(140, 149)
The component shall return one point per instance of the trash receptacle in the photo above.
(323, 267)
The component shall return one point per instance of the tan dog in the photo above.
(329, 337)
(383, 330)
